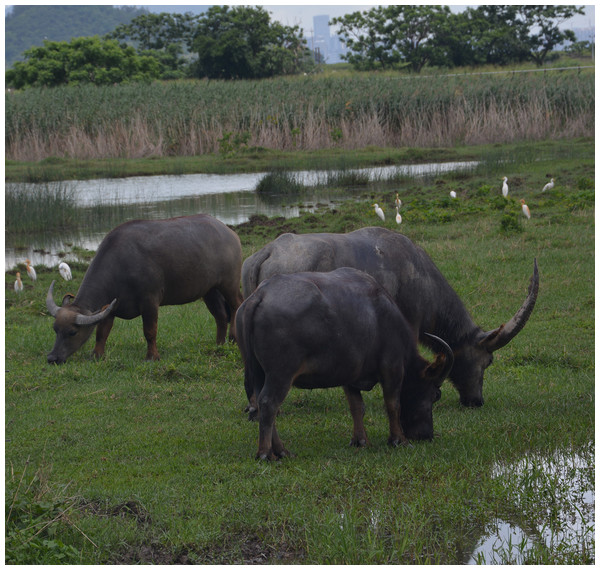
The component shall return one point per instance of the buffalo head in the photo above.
(421, 391)
(72, 326)
(475, 353)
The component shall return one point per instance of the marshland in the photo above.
(126, 461)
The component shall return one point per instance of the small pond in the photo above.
(230, 198)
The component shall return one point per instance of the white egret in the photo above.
(18, 283)
(398, 216)
(379, 212)
(504, 187)
(398, 201)
(525, 209)
(31, 270)
(65, 271)
(452, 194)
(549, 186)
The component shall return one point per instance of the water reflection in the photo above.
(231, 208)
(145, 189)
(229, 198)
(562, 489)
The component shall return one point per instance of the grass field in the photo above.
(125, 461)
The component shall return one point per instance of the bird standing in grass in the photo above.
(452, 194)
(398, 201)
(18, 283)
(504, 187)
(31, 270)
(549, 186)
(525, 209)
(379, 212)
(65, 271)
(398, 216)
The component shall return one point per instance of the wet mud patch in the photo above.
(235, 549)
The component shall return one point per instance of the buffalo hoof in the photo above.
(272, 456)
(399, 443)
(355, 442)
(472, 403)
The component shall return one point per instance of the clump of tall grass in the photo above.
(185, 118)
(31, 206)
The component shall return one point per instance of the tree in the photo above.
(163, 36)
(157, 31)
(504, 34)
(241, 42)
(82, 60)
(389, 36)
(544, 32)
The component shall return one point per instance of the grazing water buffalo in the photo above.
(409, 275)
(143, 264)
(321, 330)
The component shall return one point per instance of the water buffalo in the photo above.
(143, 264)
(321, 330)
(409, 275)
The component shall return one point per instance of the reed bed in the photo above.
(187, 118)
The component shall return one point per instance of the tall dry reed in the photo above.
(193, 117)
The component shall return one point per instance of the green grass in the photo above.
(124, 461)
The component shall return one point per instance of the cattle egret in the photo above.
(452, 194)
(398, 201)
(65, 271)
(398, 216)
(379, 212)
(31, 270)
(525, 209)
(505, 187)
(549, 186)
(18, 283)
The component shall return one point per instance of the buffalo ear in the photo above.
(67, 299)
(437, 371)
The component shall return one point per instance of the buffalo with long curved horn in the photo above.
(417, 286)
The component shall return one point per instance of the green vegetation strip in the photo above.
(125, 461)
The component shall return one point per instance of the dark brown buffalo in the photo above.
(321, 330)
(417, 286)
(143, 264)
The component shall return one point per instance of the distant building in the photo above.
(328, 47)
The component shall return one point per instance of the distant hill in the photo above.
(27, 25)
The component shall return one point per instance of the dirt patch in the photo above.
(236, 549)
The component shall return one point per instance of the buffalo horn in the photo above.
(501, 336)
(50, 304)
(443, 347)
(88, 320)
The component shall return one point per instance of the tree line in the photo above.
(243, 42)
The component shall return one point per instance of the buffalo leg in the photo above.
(150, 324)
(218, 309)
(102, 331)
(357, 409)
(391, 396)
(234, 299)
(270, 445)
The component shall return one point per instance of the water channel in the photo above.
(230, 198)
